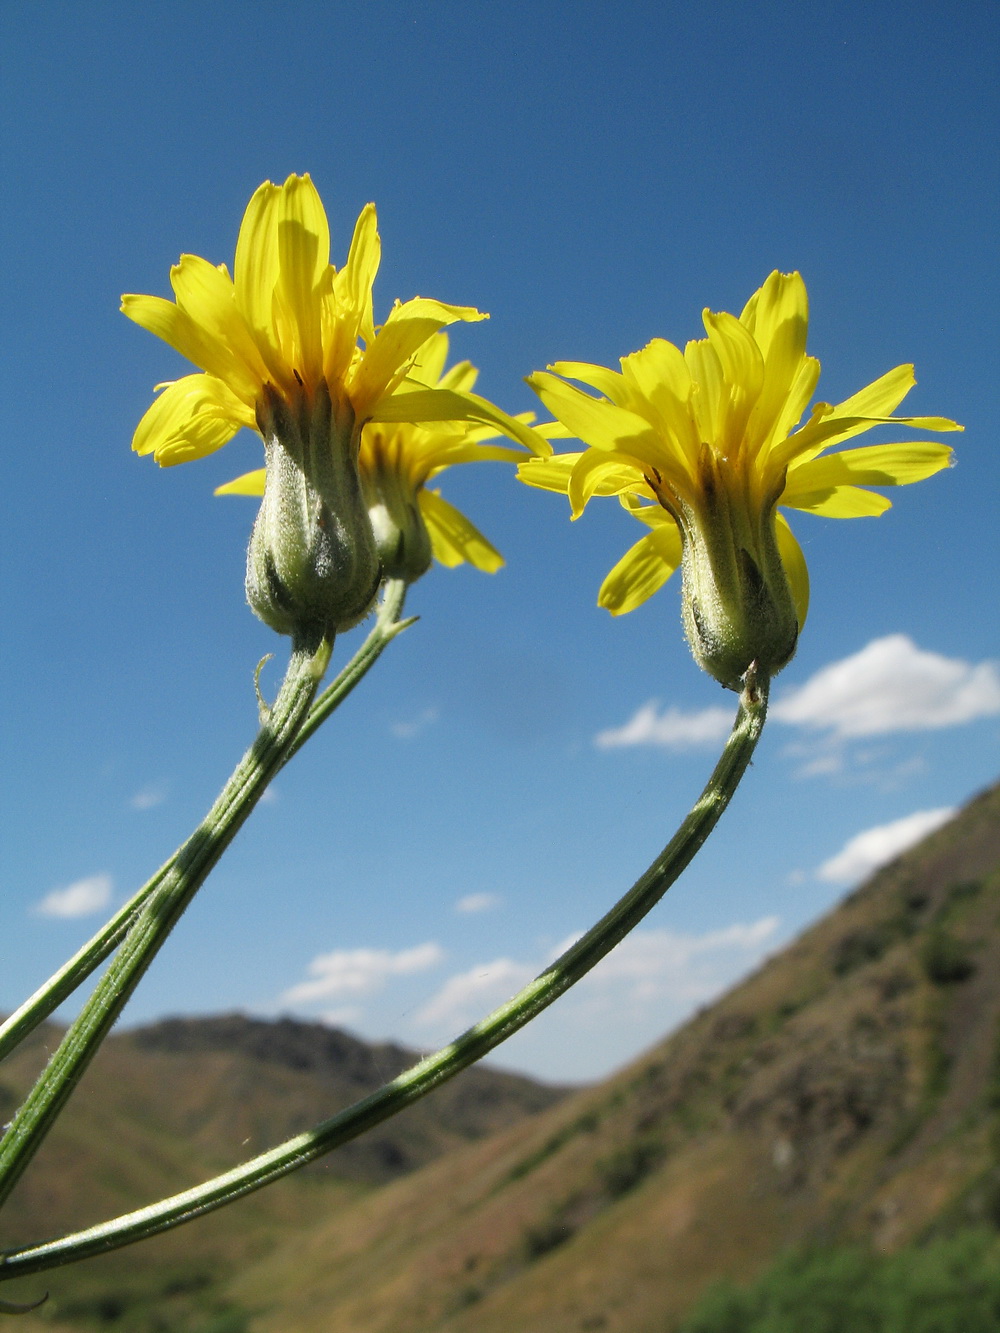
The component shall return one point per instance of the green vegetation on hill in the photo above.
(948, 1286)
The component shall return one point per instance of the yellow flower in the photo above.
(410, 521)
(701, 447)
(289, 320)
(288, 346)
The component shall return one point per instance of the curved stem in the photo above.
(73, 973)
(444, 1064)
(163, 909)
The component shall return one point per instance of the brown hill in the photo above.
(168, 1105)
(849, 1089)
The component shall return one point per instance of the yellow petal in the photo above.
(601, 472)
(825, 429)
(777, 316)
(606, 381)
(420, 405)
(429, 362)
(871, 465)
(881, 397)
(796, 571)
(440, 449)
(303, 259)
(780, 407)
(255, 272)
(708, 388)
(641, 571)
(167, 321)
(251, 483)
(406, 329)
(742, 370)
(461, 376)
(349, 310)
(549, 474)
(207, 296)
(453, 538)
(840, 502)
(638, 505)
(192, 417)
(595, 421)
(659, 373)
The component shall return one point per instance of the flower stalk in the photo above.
(163, 907)
(471, 1046)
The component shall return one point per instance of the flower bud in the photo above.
(312, 564)
(401, 537)
(736, 601)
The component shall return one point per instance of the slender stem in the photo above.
(63, 983)
(387, 626)
(163, 909)
(444, 1064)
(73, 973)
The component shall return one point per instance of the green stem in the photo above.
(387, 626)
(163, 908)
(73, 973)
(444, 1064)
(63, 983)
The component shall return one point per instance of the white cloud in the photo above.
(649, 967)
(672, 729)
(344, 1017)
(356, 972)
(875, 846)
(892, 685)
(149, 797)
(406, 731)
(654, 963)
(468, 996)
(477, 902)
(80, 898)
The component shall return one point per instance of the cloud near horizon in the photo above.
(477, 902)
(892, 685)
(81, 898)
(648, 968)
(673, 729)
(875, 847)
(149, 797)
(358, 972)
(408, 731)
(889, 686)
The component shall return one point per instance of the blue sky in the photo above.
(593, 175)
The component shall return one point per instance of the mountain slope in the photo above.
(849, 1089)
(166, 1106)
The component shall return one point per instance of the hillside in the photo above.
(171, 1104)
(850, 1089)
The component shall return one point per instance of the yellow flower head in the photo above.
(288, 346)
(288, 321)
(701, 446)
(411, 522)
